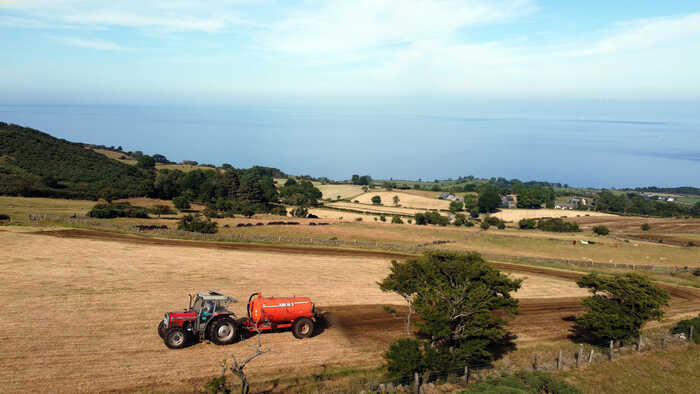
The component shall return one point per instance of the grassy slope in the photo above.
(671, 371)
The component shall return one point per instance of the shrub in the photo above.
(4, 218)
(404, 358)
(456, 206)
(118, 210)
(527, 224)
(460, 220)
(300, 212)
(279, 210)
(501, 225)
(557, 225)
(193, 223)
(645, 227)
(431, 218)
(601, 230)
(396, 220)
(409, 221)
(376, 200)
(683, 327)
(161, 210)
(358, 219)
(485, 225)
(181, 203)
(492, 220)
(382, 218)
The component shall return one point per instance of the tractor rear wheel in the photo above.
(175, 338)
(222, 331)
(302, 328)
(161, 330)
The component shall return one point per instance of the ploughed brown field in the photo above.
(80, 308)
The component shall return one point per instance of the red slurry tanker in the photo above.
(208, 317)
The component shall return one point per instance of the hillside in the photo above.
(33, 163)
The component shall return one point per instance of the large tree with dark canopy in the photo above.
(455, 295)
(620, 305)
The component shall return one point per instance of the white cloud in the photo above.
(645, 33)
(101, 45)
(345, 26)
(182, 15)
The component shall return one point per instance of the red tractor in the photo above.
(208, 317)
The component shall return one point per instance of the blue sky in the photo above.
(181, 51)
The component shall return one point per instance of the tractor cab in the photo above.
(207, 304)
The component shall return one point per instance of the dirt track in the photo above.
(122, 284)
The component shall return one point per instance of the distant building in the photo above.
(567, 205)
(443, 196)
(578, 200)
(509, 201)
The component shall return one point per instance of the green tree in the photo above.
(455, 295)
(695, 210)
(489, 200)
(146, 162)
(396, 220)
(456, 206)
(396, 201)
(471, 203)
(376, 200)
(620, 305)
(601, 230)
(193, 223)
(382, 218)
(645, 227)
(181, 203)
(161, 210)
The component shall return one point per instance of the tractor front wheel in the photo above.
(222, 331)
(302, 328)
(161, 330)
(175, 338)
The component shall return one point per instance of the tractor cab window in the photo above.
(197, 305)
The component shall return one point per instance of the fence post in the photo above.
(690, 334)
(590, 357)
(663, 343)
(534, 363)
(559, 360)
(639, 342)
(466, 375)
(610, 355)
(580, 355)
(416, 382)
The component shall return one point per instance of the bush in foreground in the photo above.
(645, 227)
(193, 223)
(396, 220)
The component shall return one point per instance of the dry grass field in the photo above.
(385, 209)
(344, 191)
(89, 310)
(406, 200)
(515, 215)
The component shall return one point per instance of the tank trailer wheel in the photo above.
(302, 328)
(222, 331)
(175, 338)
(161, 330)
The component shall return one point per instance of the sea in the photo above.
(596, 148)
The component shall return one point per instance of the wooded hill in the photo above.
(35, 164)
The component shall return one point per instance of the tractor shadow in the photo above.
(322, 323)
